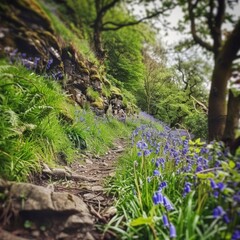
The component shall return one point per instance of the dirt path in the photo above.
(94, 172)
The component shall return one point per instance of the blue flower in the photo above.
(226, 219)
(157, 198)
(156, 173)
(147, 152)
(236, 235)
(218, 212)
(172, 231)
(165, 221)
(142, 145)
(167, 204)
(213, 184)
(163, 185)
(187, 188)
(49, 63)
(221, 186)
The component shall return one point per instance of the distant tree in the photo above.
(192, 75)
(156, 74)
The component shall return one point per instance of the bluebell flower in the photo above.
(163, 185)
(167, 204)
(187, 188)
(221, 186)
(49, 63)
(139, 154)
(218, 212)
(236, 235)
(172, 231)
(157, 198)
(142, 145)
(226, 219)
(165, 221)
(147, 152)
(213, 184)
(156, 173)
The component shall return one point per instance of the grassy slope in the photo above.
(38, 122)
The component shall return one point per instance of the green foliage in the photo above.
(196, 123)
(123, 49)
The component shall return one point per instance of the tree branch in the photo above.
(118, 26)
(196, 38)
(105, 8)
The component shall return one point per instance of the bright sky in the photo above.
(174, 36)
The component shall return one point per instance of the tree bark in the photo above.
(233, 114)
(221, 74)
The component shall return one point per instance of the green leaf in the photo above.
(205, 175)
(231, 164)
(141, 221)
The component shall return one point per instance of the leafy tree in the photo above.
(223, 47)
(101, 23)
(156, 74)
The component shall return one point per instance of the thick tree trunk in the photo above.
(98, 48)
(221, 74)
(232, 118)
(217, 100)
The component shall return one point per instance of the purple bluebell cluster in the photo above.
(35, 63)
(197, 168)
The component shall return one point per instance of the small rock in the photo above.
(35, 233)
(62, 235)
(109, 212)
(104, 164)
(88, 161)
(78, 222)
(119, 150)
(60, 172)
(97, 188)
(112, 174)
(89, 236)
(91, 196)
(68, 169)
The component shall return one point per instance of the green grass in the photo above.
(38, 123)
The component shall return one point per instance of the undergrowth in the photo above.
(39, 123)
(169, 187)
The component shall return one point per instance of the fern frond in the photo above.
(5, 68)
(13, 118)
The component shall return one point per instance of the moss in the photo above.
(106, 82)
(93, 71)
(116, 91)
(82, 64)
(95, 77)
(91, 94)
(99, 103)
(84, 71)
(106, 91)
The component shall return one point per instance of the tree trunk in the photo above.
(232, 118)
(217, 101)
(221, 74)
(99, 52)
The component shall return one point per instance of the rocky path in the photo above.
(63, 203)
